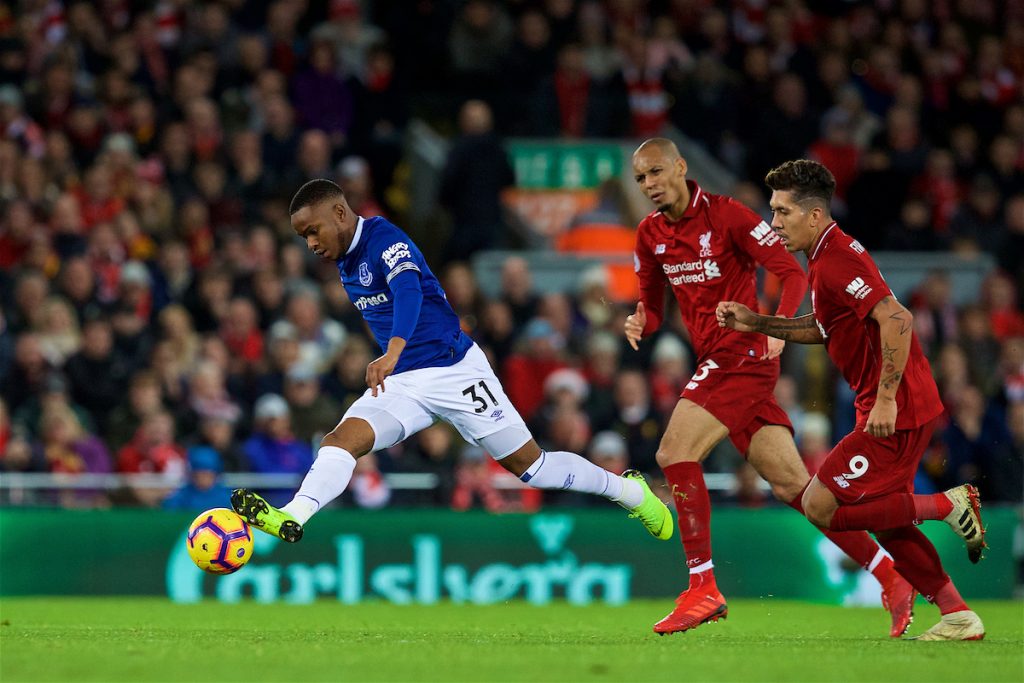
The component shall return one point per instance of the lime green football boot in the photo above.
(259, 513)
(652, 512)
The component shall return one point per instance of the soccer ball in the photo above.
(219, 541)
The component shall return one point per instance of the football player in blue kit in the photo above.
(429, 370)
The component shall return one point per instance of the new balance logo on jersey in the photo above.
(764, 234)
(396, 251)
(659, 249)
(705, 244)
(858, 289)
(364, 302)
(857, 246)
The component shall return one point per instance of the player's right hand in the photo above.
(735, 316)
(635, 325)
(377, 370)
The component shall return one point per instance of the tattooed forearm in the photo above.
(802, 330)
(891, 382)
(894, 327)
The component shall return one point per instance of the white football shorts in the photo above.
(467, 395)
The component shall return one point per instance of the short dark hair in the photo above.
(314, 192)
(806, 179)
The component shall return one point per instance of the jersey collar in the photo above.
(355, 238)
(822, 239)
(698, 199)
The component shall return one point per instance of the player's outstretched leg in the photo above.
(652, 513)
(565, 471)
(963, 625)
(898, 594)
(965, 519)
(774, 455)
(254, 509)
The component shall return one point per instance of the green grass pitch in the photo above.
(125, 639)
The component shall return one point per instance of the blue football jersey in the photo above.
(380, 251)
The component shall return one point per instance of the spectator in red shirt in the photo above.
(838, 152)
(96, 196)
(671, 367)
(1000, 298)
(353, 176)
(526, 370)
(241, 333)
(16, 237)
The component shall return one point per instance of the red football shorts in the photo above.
(862, 467)
(738, 391)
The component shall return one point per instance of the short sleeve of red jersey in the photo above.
(851, 277)
(753, 236)
(748, 230)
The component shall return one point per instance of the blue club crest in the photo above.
(365, 276)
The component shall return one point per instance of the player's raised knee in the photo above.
(671, 456)
(818, 512)
(353, 435)
(785, 492)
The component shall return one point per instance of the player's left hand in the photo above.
(377, 370)
(775, 347)
(882, 418)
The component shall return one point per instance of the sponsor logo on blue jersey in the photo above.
(364, 302)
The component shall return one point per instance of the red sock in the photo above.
(894, 511)
(857, 544)
(932, 506)
(948, 599)
(693, 507)
(884, 571)
(915, 560)
(704, 580)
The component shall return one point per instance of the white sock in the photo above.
(325, 481)
(566, 471)
(700, 568)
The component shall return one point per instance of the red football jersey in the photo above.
(845, 286)
(710, 255)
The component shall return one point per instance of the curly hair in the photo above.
(314, 192)
(806, 179)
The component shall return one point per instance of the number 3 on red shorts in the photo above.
(702, 372)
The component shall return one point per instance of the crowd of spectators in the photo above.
(158, 316)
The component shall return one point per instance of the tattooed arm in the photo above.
(802, 330)
(895, 326)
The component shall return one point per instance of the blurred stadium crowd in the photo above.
(158, 316)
